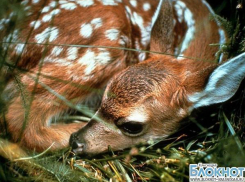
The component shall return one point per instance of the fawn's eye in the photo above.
(131, 128)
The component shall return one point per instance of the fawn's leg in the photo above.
(33, 130)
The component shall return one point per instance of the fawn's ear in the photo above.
(162, 36)
(222, 83)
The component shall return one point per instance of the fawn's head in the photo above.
(147, 101)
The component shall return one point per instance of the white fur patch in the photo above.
(138, 115)
(91, 60)
(50, 34)
(24, 2)
(35, 24)
(35, 1)
(112, 34)
(129, 12)
(88, 60)
(138, 20)
(55, 12)
(68, 6)
(85, 3)
(56, 50)
(103, 57)
(47, 18)
(72, 53)
(133, 3)
(97, 22)
(53, 4)
(86, 30)
(145, 30)
(19, 48)
(13, 37)
(45, 9)
(141, 55)
(123, 40)
(109, 2)
(27, 8)
(3, 22)
(63, 1)
(146, 6)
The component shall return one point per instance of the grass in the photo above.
(210, 135)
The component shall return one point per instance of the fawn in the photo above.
(50, 64)
(147, 101)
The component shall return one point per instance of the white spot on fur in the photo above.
(145, 31)
(97, 22)
(27, 8)
(63, 1)
(104, 56)
(109, 2)
(138, 115)
(112, 34)
(146, 6)
(180, 7)
(86, 30)
(35, 1)
(133, 3)
(11, 37)
(123, 40)
(141, 55)
(55, 12)
(72, 53)
(25, 2)
(56, 50)
(19, 48)
(138, 20)
(85, 3)
(68, 6)
(35, 24)
(49, 34)
(129, 12)
(45, 9)
(7, 41)
(47, 18)
(3, 22)
(53, 4)
(182, 112)
(90, 60)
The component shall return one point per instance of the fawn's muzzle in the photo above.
(77, 146)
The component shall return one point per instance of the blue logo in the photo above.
(211, 172)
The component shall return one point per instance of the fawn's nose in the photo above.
(77, 146)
